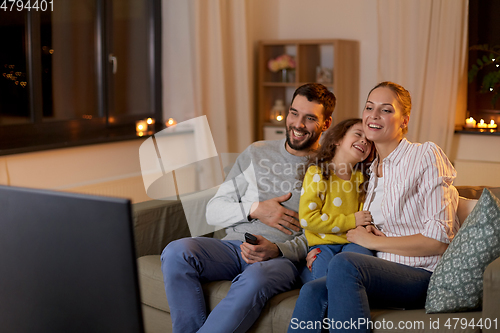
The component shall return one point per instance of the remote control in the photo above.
(250, 239)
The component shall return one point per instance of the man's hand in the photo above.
(272, 213)
(264, 250)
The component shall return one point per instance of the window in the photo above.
(82, 71)
(484, 28)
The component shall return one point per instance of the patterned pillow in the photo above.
(457, 282)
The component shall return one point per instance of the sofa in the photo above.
(158, 222)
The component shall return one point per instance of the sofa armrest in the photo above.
(491, 295)
(157, 223)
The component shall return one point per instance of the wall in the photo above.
(476, 159)
(114, 169)
(320, 19)
(110, 169)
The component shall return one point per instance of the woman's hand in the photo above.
(363, 217)
(372, 229)
(311, 256)
(364, 236)
(410, 246)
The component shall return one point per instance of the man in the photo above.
(260, 196)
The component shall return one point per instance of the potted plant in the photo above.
(490, 62)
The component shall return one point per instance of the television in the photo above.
(68, 263)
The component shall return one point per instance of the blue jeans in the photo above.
(320, 265)
(188, 262)
(354, 283)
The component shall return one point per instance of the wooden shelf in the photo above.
(279, 84)
(339, 56)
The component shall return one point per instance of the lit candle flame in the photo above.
(482, 124)
(171, 122)
(470, 122)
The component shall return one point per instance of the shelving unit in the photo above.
(341, 56)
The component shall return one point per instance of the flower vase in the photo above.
(284, 75)
(288, 75)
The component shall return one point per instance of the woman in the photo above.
(413, 204)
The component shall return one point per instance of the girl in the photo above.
(332, 193)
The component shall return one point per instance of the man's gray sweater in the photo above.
(265, 170)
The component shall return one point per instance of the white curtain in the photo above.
(423, 47)
(206, 68)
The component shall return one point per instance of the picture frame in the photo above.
(324, 75)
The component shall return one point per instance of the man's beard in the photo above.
(303, 145)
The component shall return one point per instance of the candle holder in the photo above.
(482, 124)
(151, 125)
(141, 127)
(278, 112)
(470, 123)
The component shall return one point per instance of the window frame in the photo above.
(39, 135)
(478, 104)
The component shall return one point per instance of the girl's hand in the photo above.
(311, 256)
(363, 237)
(363, 217)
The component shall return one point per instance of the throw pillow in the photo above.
(457, 282)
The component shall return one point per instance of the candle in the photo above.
(482, 124)
(141, 127)
(470, 122)
(151, 125)
(171, 122)
(278, 111)
(492, 124)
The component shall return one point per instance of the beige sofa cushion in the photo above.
(151, 282)
(465, 206)
(153, 290)
(275, 315)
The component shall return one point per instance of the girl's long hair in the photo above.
(324, 155)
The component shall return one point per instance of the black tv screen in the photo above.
(68, 263)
